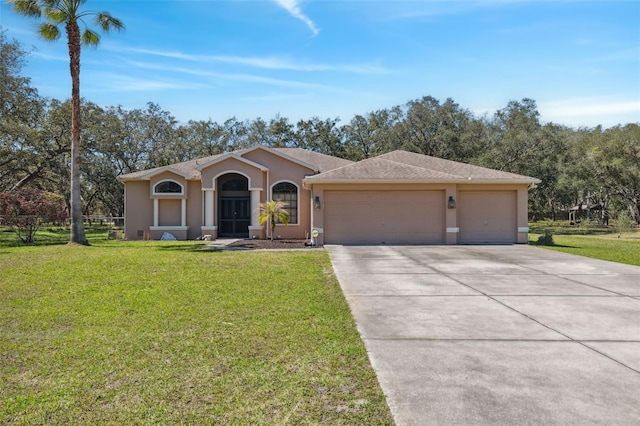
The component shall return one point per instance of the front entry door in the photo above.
(235, 216)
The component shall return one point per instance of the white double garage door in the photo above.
(418, 217)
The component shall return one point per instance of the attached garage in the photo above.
(384, 217)
(487, 217)
(407, 198)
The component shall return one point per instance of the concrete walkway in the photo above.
(497, 334)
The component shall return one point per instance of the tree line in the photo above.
(576, 166)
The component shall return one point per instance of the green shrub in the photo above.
(546, 239)
(588, 225)
(624, 223)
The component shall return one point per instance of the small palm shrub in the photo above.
(273, 212)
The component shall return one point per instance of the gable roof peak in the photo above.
(226, 156)
(280, 154)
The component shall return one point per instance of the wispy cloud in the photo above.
(266, 62)
(49, 57)
(232, 76)
(132, 84)
(590, 107)
(293, 7)
(583, 111)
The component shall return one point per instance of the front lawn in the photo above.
(168, 333)
(596, 242)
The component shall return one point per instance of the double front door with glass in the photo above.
(234, 216)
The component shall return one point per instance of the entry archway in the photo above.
(234, 205)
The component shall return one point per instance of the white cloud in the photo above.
(591, 111)
(293, 7)
(125, 83)
(581, 112)
(266, 62)
(232, 76)
(590, 107)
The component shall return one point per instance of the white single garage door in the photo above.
(384, 217)
(487, 217)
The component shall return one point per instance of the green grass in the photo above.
(596, 242)
(50, 235)
(168, 333)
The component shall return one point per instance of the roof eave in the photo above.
(155, 172)
(308, 182)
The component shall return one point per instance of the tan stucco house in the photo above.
(395, 198)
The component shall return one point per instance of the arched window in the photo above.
(288, 194)
(238, 184)
(168, 187)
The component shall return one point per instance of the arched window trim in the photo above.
(297, 222)
(245, 185)
(155, 186)
(214, 181)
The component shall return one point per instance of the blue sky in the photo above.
(580, 60)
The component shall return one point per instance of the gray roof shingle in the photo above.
(403, 166)
(317, 161)
(322, 162)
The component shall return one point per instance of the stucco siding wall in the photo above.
(194, 209)
(279, 168)
(283, 170)
(169, 212)
(138, 207)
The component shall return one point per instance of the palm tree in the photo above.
(273, 212)
(67, 12)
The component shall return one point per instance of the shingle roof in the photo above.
(189, 169)
(403, 166)
(322, 162)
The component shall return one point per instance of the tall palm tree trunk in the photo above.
(77, 227)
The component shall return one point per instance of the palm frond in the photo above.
(283, 217)
(273, 212)
(56, 16)
(108, 22)
(90, 38)
(29, 8)
(49, 32)
(51, 4)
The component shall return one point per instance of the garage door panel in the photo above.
(390, 217)
(487, 216)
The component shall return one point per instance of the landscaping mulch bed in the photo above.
(268, 244)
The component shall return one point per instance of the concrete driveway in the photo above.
(497, 334)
